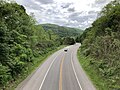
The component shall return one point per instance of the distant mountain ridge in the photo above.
(62, 31)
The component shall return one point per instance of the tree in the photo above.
(68, 41)
(102, 42)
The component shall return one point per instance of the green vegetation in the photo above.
(21, 41)
(68, 41)
(99, 82)
(25, 44)
(62, 31)
(31, 68)
(67, 35)
(102, 43)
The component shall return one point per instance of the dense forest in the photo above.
(62, 31)
(21, 40)
(67, 35)
(101, 42)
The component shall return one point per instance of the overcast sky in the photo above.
(72, 13)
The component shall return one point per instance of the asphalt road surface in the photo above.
(61, 71)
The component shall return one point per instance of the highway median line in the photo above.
(61, 67)
(32, 68)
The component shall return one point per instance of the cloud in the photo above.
(100, 3)
(45, 1)
(66, 5)
(81, 19)
(30, 5)
(93, 12)
(51, 11)
(71, 9)
(72, 13)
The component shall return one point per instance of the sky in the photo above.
(70, 13)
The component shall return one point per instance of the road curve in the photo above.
(61, 71)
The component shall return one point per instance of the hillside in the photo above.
(24, 44)
(61, 30)
(21, 43)
(102, 43)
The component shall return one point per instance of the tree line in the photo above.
(101, 41)
(22, 40)
(62, 31)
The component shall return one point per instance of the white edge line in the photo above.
(47, 72)
(75, 74)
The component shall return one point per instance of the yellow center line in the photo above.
(60, 80)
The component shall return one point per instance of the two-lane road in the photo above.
(61, 71)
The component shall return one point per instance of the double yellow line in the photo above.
(60, 79)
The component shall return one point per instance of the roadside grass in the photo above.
(31, 68)
(99, 82)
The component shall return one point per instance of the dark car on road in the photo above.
(65, 50)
